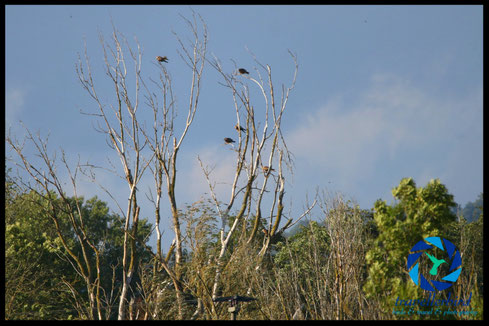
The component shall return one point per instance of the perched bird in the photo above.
(239, 128)
(243, 71)
(265, 231)
(266, 169)
(228, 140)
(162, 59)
(234, 299)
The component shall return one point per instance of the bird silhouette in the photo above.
(266, 169)
(239, 128)
(228, 140)
(234, 299)
(162, 59)
(436, 262)
(243, 71)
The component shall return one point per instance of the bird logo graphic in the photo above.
(435, 245)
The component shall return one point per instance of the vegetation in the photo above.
(472, 210)
(71, 258)
(334, 268)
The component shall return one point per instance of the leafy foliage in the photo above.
(350, 265)
(473, 210)
(418, 213)
(39, 277)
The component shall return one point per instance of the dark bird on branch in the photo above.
(162, 59)
(234, 298)
(239, 128)
(228, 140)
(243, 71)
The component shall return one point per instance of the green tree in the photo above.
(40, 281)
(472, 210)
(33, 287)
(293, 253)
(418, 213)
(468, 238)
(301, 268)
(472, 280)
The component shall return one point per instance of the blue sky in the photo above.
(382, 93)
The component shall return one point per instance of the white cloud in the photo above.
(383, 125)
(221, 161)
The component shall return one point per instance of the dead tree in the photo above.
(128, 136)
(262, 158)
(119, 122)
(347, 233)
(165, 144)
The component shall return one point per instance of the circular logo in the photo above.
(438, 262)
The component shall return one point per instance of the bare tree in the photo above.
(120, 123)
(257, 190)
(128, 136)
(165, 144)
(138, 148)
(346, 228)
(262, 159)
